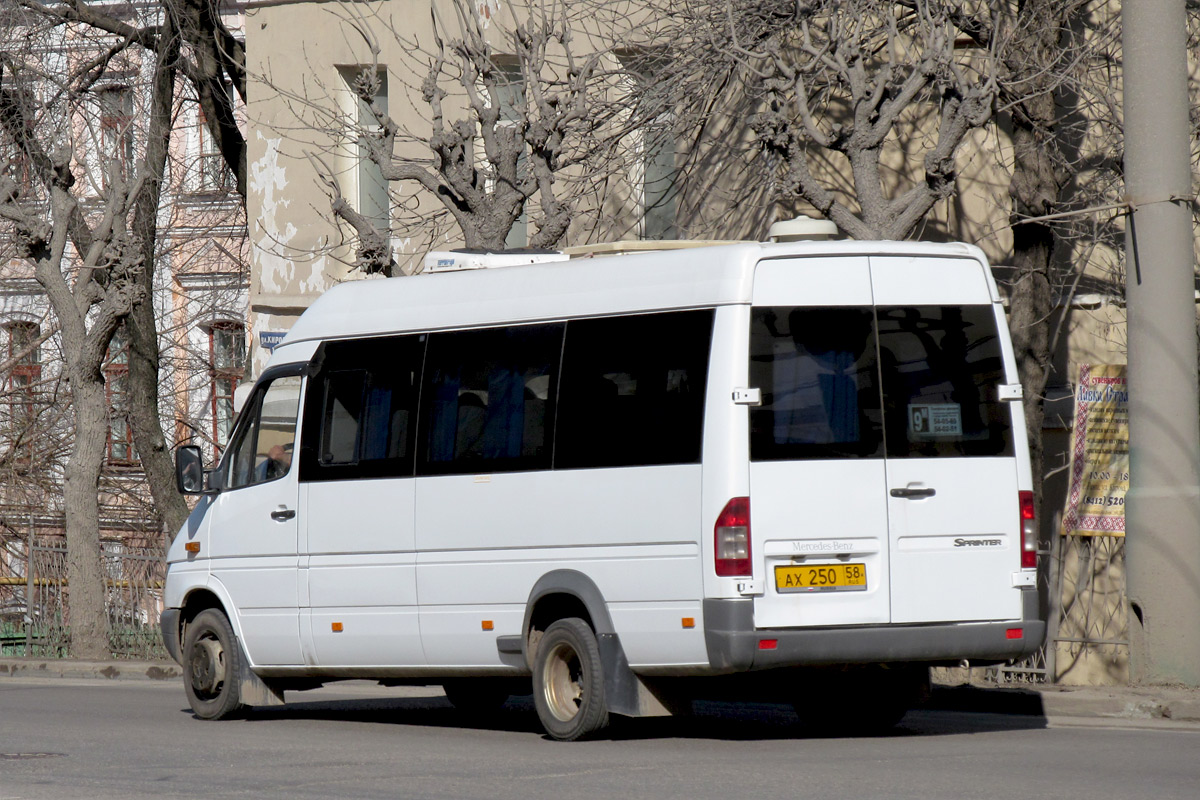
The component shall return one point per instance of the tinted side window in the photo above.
(361, 407)
(818, 372)
(488, 399)
(941, 366)
(263, 448)
(342, 415)
(633, 390)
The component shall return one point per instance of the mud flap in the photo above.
(624, 692)
(253, 690)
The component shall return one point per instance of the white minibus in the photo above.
(792, 472)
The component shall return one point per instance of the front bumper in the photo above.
(168, 623)
(733, 641)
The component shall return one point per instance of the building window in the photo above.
(371, 190)
(226, 350)
(509, 93)
(653, 173)
(24, 375)
(116, 390)
(116, 129)
(14, 163)
(212, 174)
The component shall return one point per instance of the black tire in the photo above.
(212, 666)
(477, 695)
(568, 681)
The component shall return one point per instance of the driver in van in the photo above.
(279, 459)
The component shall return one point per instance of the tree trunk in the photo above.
(1029, 317)
(88, 615)
(140, 326)
(1035, 187)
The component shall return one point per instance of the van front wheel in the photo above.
(212, 664)
(568, 681)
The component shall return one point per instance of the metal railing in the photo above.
(35, 600)
(1084, 586)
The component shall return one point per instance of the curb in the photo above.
(70, 668)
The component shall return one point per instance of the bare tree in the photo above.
(211, 60)
(835, 88)
(86, 257)
(516, 110)
(1043, 55)
(189, 38)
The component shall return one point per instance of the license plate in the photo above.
(821, 578)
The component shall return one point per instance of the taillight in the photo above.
(1028, 531)
(732, 533)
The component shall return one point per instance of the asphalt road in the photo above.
(99, 740)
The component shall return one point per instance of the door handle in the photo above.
(282, 514)
(913, 494)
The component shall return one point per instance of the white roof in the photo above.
(676, 279)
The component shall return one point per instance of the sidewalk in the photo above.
(1106, 702)
(1114, 702)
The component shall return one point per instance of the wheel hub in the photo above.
(564, 688)
(207, 666)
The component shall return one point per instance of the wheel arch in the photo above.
(252, 689)
(210, 595)
(565, 593)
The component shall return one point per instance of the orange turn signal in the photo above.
(689, 622)
(336, 627)
(192, 547)
(488, 625)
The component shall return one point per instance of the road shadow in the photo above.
(945, 715)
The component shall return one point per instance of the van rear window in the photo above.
(941, 366)
(857, 382)
(818, 372)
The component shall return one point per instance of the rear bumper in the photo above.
(168, 623)
(733, 642)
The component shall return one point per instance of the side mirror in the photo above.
(189, 469)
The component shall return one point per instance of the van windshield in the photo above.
(856, 382)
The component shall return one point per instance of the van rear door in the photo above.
(818, 497)
(952, 490)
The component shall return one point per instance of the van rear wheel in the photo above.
(568, 681)
(212, 666)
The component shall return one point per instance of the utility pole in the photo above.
(1162, 514)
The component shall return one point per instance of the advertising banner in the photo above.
(1099, 453)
